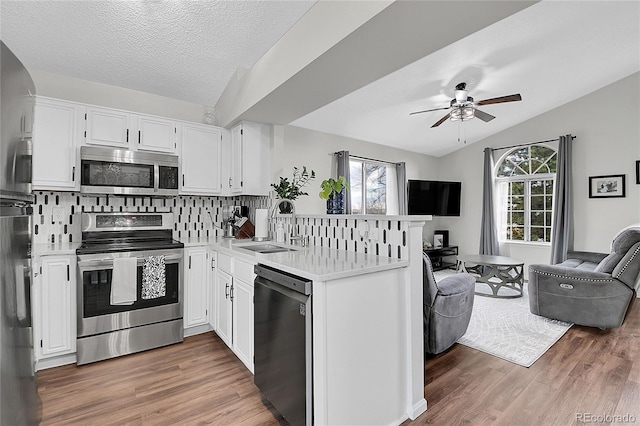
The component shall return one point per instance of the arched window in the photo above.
(525, 180)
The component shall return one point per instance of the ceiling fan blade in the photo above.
(442, 120)
(428, 110)
(483, 115)
(501, 99)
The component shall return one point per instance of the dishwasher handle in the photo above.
(274, 286)
(290, 281)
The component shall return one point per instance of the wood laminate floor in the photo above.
(587, 373)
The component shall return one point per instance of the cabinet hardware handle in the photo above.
(127, 135)
(139, 135)
(226, 291)
(230, 179)
(189, 261)
(73, 173)
(68, 277)
(183, 179)
(231, 293)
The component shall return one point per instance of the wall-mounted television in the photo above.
(432, 197)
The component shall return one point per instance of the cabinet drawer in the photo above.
(224, 263)
(243, 271)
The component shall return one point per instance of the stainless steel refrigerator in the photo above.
(18, 392)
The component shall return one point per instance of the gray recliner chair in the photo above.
(592, 289)
(447, 308)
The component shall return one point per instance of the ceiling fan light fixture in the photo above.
(462, 113)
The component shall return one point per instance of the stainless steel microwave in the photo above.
(124, 172)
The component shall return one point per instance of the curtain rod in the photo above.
(369, 159)
(527, 144)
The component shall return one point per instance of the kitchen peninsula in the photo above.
(368, 365)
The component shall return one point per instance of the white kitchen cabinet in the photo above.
(58, 128)
(156, 134)
(212, 288)
(224, 308)
(196, 296)
(201, 159)
(127, 130)
(54, 307)
(234, 306)
(108, 127)
(243, 321)
(250, 159)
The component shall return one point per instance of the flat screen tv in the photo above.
(431, 197)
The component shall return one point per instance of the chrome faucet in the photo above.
(293, 237)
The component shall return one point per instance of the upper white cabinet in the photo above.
(58, 127)
(156, 134)
(201, 159)
(250, 151)
(106, 126)
(127, 130)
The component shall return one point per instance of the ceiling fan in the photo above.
(463, 107)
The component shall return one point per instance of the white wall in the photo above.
(606, 124)
(89, 92)
(295, 146)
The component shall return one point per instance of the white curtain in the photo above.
(392, 191)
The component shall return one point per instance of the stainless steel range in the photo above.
(130, 285)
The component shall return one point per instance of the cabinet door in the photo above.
(108, 127)
(212, 288)
(256, 158)
(201, 159)
(56, 133)
(195, 288)
(57, 297)
(156, 134)
(236, 151)
(223, 309)
(243, 321)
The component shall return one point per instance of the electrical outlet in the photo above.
(56, 214)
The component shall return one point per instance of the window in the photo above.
(525, 183)
(373, 187)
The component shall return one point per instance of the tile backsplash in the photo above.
(56, 215)
(56, 219)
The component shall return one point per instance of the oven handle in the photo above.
(108, 261)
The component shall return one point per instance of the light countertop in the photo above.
(315, 263)
(49, 249)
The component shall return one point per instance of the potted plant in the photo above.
(333, 192)
(292, 189)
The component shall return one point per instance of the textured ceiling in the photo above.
(186, 50)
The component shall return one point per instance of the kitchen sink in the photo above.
(267, 248)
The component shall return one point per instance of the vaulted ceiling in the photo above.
(354, 69)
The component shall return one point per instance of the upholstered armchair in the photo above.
(447, 308)
(592, 289)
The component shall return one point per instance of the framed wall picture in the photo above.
(638, 172)
(610, 186)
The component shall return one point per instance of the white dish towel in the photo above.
(124, 281)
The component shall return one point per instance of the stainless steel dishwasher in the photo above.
(283, 343)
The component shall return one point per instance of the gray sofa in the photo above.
(447, 308)
(592, 289)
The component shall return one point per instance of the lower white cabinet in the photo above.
(196, 295)
(234, 306)
(224, 307)
(54, 307)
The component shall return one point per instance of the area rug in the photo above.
(507, 329)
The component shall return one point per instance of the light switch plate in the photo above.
(56, 214)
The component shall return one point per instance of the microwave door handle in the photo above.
(156, 177)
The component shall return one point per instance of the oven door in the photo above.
(96, 314)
